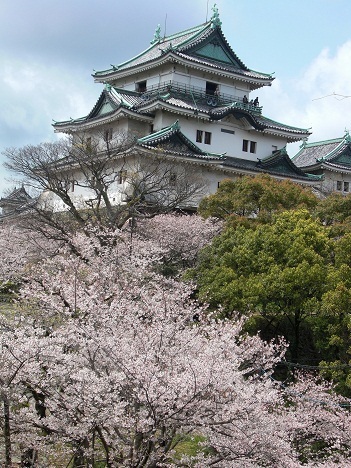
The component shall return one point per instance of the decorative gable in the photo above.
(343, 158)
(214, 48)
(104, 108)
(279, 162)
(215, 51)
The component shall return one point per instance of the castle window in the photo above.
(249, 144)
(108, 134)
(140, 86)
(211, 88)
(226, 130)
(199, 134)
(172, 179)
(208, 136)
(253, 146)
(122, 176)
(346, 186)
(274, 148)
(88, 146)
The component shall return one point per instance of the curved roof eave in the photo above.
(84, 124)
(291, 137)
(173, 57)
(173, 108)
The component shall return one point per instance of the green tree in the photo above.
(335, 211)
(332, 325)
(258, 196)
(275, 272)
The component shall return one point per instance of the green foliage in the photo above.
(276, 271)
(258, 196)
(189, 446)
(332, 325)
(290, 272)
(335, 211)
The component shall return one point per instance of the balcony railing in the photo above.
(198, 96)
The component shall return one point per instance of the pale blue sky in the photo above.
(49, 48)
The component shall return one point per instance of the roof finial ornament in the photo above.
(304, 143)
(347, 136)
(157, 35)
(216, 22)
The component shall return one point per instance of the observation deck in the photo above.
(197, 95)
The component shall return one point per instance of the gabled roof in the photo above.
(17, 196)
(336, 152)
(258, 121)
(171, 139)
(278, 164)
(110, 105)
(114, 101)
(204, 45)
(16, 202)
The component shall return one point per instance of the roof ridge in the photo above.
(283, 124)
(198, 29)
(324, 142)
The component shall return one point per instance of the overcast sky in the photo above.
(49, 49)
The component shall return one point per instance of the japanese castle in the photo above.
(190, 96)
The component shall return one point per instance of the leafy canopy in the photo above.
(258, 196)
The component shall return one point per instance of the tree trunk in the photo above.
(28, 458)
(7, 432)
(296, 345)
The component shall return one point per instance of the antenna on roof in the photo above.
(207, 10)
(165, 26)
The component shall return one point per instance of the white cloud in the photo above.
(33, 94)
(320, 98)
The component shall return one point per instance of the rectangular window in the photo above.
(274, 148)
(122, 176)
(211, 88)
(338, 185)
(199, 134)
(253, 145)
(225, 130)
(208, 136)
(108, 134)
(346, 186)
(140, 87)
(249, 144)
(172, 179)
(88, 147)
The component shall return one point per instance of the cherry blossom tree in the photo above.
(109, 360)
(180, 238)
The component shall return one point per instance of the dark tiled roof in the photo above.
(278, 164)
(171, 139)
(256, 119)
(337, 151)
(175, 142)
(112, 99)
(203, 44)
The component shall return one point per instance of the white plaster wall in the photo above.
(224, 142)
(329, 184)
(181, 74)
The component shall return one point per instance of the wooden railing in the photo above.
(198, 95)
